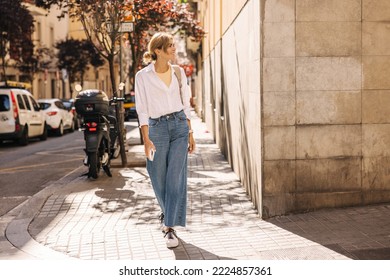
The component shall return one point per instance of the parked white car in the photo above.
(20, 116)
(58, 118)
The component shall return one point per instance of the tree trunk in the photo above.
(133, 71)
(4, 73)
(118, 112)
(2, 53)
(70, 79)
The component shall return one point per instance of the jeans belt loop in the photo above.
(167, 116)
(171, 115)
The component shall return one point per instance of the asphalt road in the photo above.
(26, 170)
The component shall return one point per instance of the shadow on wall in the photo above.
(245, 167)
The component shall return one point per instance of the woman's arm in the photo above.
(141, 105)
(148, 144)
(141, 99)
(191, 140)
(186, 91)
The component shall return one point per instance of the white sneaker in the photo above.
(171, 238)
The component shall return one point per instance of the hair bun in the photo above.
(147, 57)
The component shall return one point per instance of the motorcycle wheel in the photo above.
(93, 165)
(116, 148)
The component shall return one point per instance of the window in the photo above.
(53, 88)
(35, 105)
(51, 36)
(60, 105)
(4, 103)
(20, 102)
(39, 33)
(25, 98)
(44, 105)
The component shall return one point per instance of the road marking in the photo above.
(49, 154)
(28, 167)
(60, 150)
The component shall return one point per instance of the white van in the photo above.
(20, 116)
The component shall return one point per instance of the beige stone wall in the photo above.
(230, 99)
(326, 68)
(375, 100)
(279, 103)
(323, 94)
(48, 29)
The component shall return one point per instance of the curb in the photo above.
(16, 232)
(17, 239)
(135, 157)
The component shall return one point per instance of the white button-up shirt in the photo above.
(154, 98)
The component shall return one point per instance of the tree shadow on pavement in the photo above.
(188, 251)
(131, 197)
(113, 200)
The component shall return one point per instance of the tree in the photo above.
(15, 34)
(152, 16)
(101, 20)
(75, 56)
(38, 61)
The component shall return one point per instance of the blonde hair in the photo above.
(160, 40)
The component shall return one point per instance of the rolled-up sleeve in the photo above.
(186, 92)
(141, 100)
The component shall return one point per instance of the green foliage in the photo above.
(39, 60)
(101, 20)
(15, 34)
(164, 15)
(75, 56)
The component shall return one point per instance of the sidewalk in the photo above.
(116, 219)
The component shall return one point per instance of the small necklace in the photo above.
(163, 73)
(165, 77)
(168, 68)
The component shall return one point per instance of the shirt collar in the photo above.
(150, 67)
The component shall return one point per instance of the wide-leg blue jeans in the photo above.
(168, 170)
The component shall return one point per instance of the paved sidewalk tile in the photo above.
(117, 218)
(119, 221)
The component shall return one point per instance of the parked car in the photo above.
(20, 116)
(58, 118)
(129, 105)
(69, 105)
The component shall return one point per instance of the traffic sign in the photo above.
(126, 27)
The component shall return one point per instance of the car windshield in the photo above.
(67, 104)
(44, 105)
(4, 103)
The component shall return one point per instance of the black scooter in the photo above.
(100, 128)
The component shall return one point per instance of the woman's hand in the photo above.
(148, 145)
(191, 143)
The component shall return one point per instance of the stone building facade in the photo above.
(48, 29)
(297, 96)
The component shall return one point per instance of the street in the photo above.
(26, 170)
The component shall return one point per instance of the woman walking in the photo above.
(163, 107)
